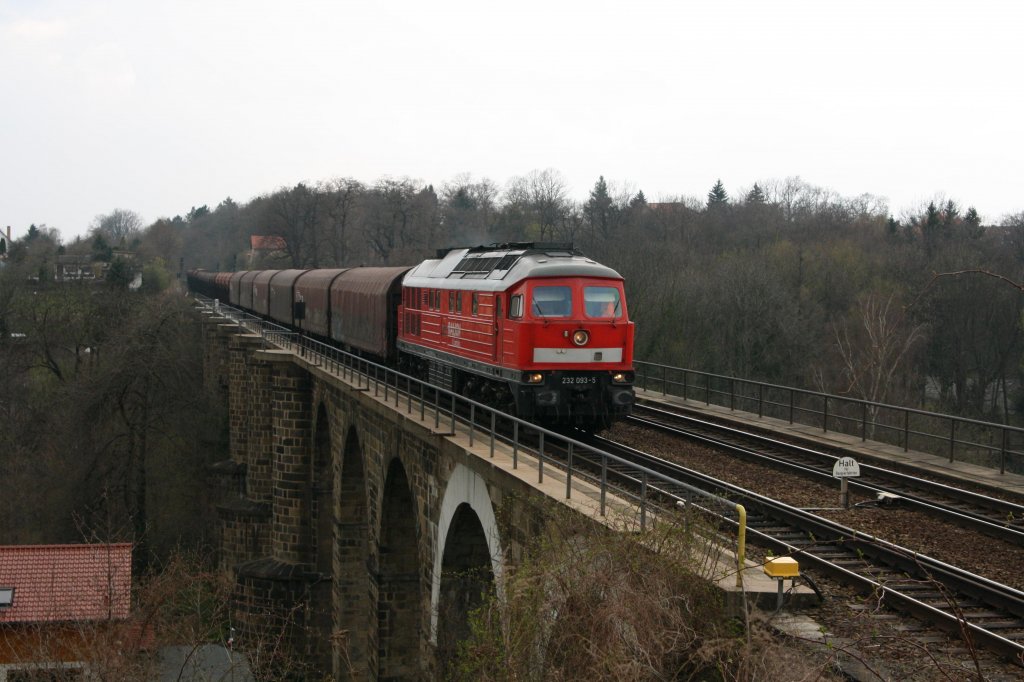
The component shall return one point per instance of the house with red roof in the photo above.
(264, 247)
(47, 594)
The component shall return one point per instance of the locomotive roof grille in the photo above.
(507, 262)
(480, 267)
(472, 264)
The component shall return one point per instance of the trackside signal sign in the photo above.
(846, 467)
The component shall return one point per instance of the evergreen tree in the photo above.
(119, 274)
(718, 197)
(754, 196)
(197, 213)
(972, 224)
(101, 250)
(950, 214)
(639, 201)
(598, 209)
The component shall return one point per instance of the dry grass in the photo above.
(594, 605)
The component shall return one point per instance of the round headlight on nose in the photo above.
(580, 337)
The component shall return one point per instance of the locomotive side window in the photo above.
(551, 302)
(458, 302)
(602, 302)
(451, 301)
(476, 304)
(515, 308)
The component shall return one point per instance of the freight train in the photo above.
(538, 330)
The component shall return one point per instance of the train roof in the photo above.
(500, 266)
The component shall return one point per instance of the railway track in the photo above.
(994, 517)
(981, 611)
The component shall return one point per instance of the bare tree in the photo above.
(119, 227)
(340, 198)
(542, 195)
(399, 217)
(468, 210)
(874, 346)
(292, 214)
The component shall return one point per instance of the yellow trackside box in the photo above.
(782, 567)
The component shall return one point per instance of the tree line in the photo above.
(783, 281)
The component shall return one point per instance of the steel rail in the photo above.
(992, 516)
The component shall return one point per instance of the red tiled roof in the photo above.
(66, 582)
(267, 243)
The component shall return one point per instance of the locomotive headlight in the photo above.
(580, 337)
(622, 377)
(534, 378)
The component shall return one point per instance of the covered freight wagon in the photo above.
(281, 304)
(245, 288)
(310, 296)
(363, 305)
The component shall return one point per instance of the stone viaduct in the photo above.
(353, 522)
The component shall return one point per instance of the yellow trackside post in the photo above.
(741, 544)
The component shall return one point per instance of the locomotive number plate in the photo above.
(575, 381)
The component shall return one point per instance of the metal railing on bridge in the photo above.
(996, 446)
(582, 462)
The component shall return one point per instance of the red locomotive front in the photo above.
(538, 327)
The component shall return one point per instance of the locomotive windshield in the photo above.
(551, 302)
(602, 302)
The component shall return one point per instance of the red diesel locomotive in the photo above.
(538, 329)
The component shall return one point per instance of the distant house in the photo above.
(77, 267)
(262, 247)
(47, 594)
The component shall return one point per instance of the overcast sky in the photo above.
(157, 106)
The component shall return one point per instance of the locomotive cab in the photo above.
(576, 350)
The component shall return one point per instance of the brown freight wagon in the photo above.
(261, 291)
(281, 302)
(222, 282)
(310, 294)
(245, 289)
(364, 309)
